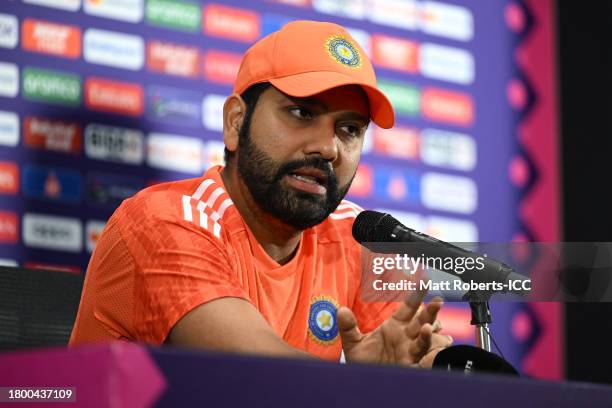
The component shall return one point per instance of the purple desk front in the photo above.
(127, 375)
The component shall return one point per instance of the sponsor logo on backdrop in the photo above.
(173, 59)
(57, 87)
(8, 262)
(9, 30)
(298, 3)
(395, 53)
(173, 105)
(113, 96)
(446, 106)
(399, 142)
(9, 128)
(113, 49)
(214, 152)
(396, 185)
(174, 14)
(356, 9)
(114, 144)
(362, 183)
(452, 229)
(221, 67)
(9, 228)
(52, 267)
(449, 193)
(405, 98)
(9, 79)
(51, 38)
(124, 10)
(212, 112)
(109, 190)
(52, 183)
(70, 5)
(93, 230)
(447, 20)
(446, 63)
(52, 232)
(9, 178)
(176, 153)
(52, 135)
(448, 149)
(395, 13)
(231, 23)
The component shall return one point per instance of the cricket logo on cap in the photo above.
(343, 51)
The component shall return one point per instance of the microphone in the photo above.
(470, 359)
(376, 227)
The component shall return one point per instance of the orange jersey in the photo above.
(177, 245)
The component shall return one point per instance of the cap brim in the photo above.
(311, 83)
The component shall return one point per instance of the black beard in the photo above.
(263, 177)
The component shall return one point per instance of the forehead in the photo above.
(348, 98)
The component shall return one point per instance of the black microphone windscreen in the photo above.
(470, 359)
(373, 226)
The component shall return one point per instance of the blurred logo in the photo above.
(124, 10)
(114, 96)
(114, 144)
(56, 87)
(70, 5)
(173, 14)
(8, 262)
(405, 98)
(109, 190)
(9, 79)
(362, 183)
(447, 20)
(51, 38)
(9, 228)
(447, 63)
(398, 142)
(448, 149)
(52, 232)
(221, 67)
(447, 106)
(9, 128)
(298, 3)
(396, 184)
(449, 193)
(52, 184)
(343, 51)
(9, 177)
(52, 135)
(173, 59)
(356, 9)
(452, 229)
(113, 49)
(177, 153)
(93, 230)
(52, 267)
(173, 105)
(395, 53)
(9, 28)
(394, 13)
(212, 112)
(231, 23)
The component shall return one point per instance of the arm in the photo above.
(230, 325)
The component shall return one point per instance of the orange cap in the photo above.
(305, 58)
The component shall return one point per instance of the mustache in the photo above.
(311, 162)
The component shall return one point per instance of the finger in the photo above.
(437, 326)
(348, 328)
(407, 310)
(422, 343)
(441, 340)
(427, 315)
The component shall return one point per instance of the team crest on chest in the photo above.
(322, 322)
(343, 51)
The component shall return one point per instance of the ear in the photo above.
(234, 110)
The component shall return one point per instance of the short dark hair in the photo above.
(250, 98)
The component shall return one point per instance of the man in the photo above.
(258, 257)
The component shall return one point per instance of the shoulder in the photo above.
(339, 225)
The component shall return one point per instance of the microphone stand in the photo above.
(481, 318)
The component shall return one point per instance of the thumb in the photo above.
(347, 326)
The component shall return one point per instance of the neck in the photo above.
(279, 240)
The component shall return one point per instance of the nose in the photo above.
(323, 142)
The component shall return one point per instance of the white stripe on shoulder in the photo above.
(202, 188)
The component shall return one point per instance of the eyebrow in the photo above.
(315, 103)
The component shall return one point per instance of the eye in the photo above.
(301, 113)
(352, 130)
